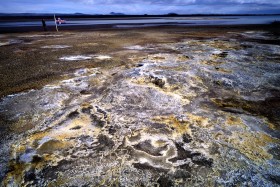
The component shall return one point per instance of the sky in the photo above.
(142, 6)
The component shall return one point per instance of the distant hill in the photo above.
(117, 14)
(172, 14)
(38, 16)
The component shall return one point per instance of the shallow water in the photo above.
(213, 20)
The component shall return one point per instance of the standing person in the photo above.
(44, 25)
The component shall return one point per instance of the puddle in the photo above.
(55, 46)
(135, 47)
(102, 57)
(84, 57)
(256, 35)
(75, 58)
(41, 35)
(11, 42)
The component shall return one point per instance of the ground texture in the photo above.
(140, 107)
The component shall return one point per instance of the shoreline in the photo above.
(81, 28)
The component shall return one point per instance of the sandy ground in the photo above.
(149, 106)
(27, 62)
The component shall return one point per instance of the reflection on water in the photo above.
(215, 20)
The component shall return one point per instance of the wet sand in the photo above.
(141, 106)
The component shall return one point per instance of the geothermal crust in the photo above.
(196, 112)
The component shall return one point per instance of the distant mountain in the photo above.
(172, 14)
(117, 14)
(28, 16)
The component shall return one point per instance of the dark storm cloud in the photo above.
(141, 6)
(187, 6)
(179, 2)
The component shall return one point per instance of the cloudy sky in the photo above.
(140, 6)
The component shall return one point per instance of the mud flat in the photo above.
(141, 107)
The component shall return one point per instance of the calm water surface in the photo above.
(217, 20)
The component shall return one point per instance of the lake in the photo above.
(156, 21)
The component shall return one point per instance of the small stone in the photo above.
(85, 92)
(187, 138)
(87, 110)
(73, 114)
(76, 127)
(164, 181)
(112, 130)
(30, 175)
(36, 159)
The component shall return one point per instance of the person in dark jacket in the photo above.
(44, 25)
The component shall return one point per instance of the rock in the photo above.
(73, 115)
(30, 175)
(164, 181)
(105, 143)
(186, 138)
(157, 81)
